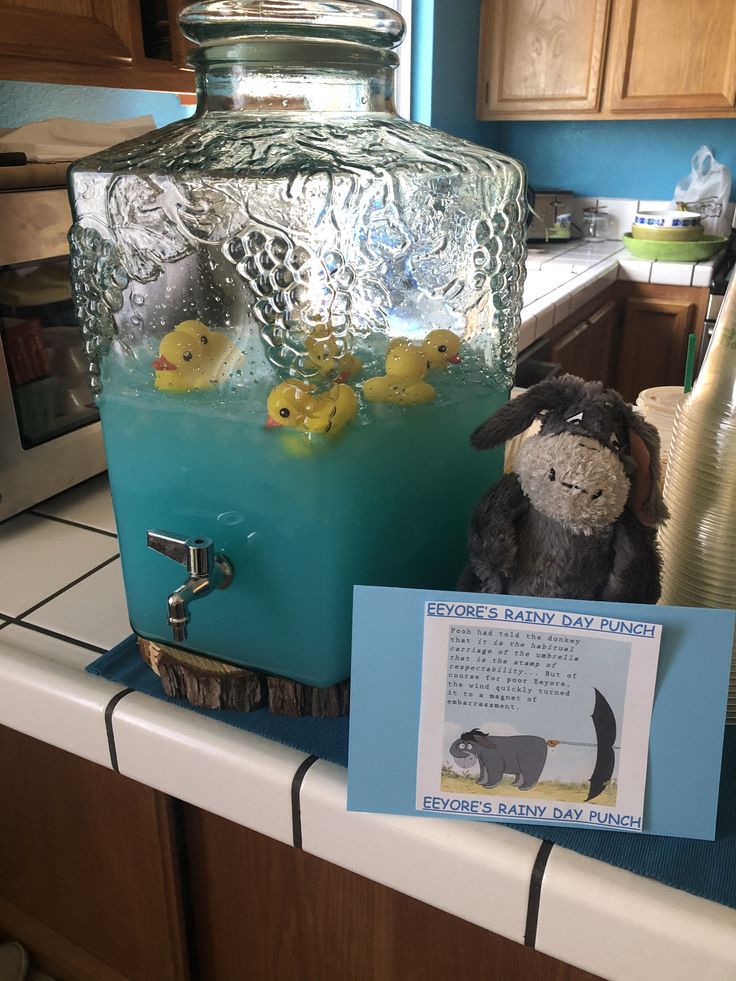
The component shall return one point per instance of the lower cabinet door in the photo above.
(89, 870)
(265, 911)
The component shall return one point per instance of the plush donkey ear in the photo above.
(646, 498)
(518, 414)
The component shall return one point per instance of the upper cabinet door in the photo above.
(673, 55)
(89, 31)
(542, 56)
(116, 43)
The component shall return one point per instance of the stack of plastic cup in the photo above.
(658, 406)
(699, 540)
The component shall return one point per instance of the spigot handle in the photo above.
(196, 554)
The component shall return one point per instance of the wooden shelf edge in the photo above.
(552, 116)
(147, 76)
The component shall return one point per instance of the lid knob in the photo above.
(362, 21)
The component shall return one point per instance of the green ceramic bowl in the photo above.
(704, 248)
(654, 234)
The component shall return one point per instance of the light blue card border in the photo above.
(688, 717)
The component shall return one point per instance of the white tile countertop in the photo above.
(62, 604)
(563, 276)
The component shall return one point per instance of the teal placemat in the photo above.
(704, 868)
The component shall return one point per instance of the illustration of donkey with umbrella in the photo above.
(524, 757)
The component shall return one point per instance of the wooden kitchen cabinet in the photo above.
(655, 324)
(104, 879)
(265, 910)
(588, 348)
(90, 876)
(544, 55)
(607, 59)
(114, 43)
(677, 55)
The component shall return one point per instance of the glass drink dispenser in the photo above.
(296, 308)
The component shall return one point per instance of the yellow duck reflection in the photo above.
(406, 366)
(325, 355)
(194, 357)
(296, 405)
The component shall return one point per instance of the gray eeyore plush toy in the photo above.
(577, 519)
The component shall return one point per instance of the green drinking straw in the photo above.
(689, 363)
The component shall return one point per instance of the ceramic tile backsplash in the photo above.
(634, 270)
(93, 611)
(672, 273)
(625, 927)
(88, 504)
(238, 775)
(39, 557)
(54, 701)
(474, 870)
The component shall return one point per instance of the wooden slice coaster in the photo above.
(212, 684)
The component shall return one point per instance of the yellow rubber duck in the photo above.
(297, 405)
(192, 356)
(324, 355)
(406, 366)
(441, 348)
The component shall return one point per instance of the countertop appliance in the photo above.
(551, 216)
(50, 436)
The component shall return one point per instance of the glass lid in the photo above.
(361, 21)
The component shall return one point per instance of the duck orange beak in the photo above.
(271, 423)
(454, 359)
(163, 364)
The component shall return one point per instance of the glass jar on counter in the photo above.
(296, 306)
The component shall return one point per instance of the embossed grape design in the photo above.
(295, 291)
(98, 282)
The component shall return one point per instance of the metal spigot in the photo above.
(207, 571)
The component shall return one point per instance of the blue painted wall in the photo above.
(445, 69)
(28, 102)
(627, 159)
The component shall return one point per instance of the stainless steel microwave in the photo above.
(50, 435)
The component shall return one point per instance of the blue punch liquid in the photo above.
(387, 502)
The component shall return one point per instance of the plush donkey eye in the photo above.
(578, 417)
(552, 475)
(594, 497)
(614, 441)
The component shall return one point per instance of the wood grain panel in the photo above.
(673, 54)
(265, 910)
(86, 31)
(543, 53)
(586, 350)
(655, 324)
(88, 867)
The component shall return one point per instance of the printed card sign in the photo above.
(608, 717)
(535, 715)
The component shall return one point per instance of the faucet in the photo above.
(207, 571)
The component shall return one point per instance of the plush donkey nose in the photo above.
(575, 488)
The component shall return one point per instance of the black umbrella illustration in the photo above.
(604, 723)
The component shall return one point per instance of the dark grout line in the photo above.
(535, 893)
(68, 586)
(74, 524)
(109, 709)
(296, 804)
(75, 641)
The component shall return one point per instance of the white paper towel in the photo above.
(69, 139)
